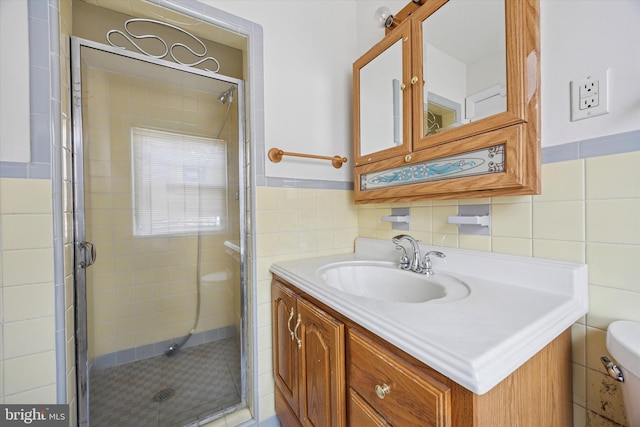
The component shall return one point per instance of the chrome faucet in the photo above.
(416, 263)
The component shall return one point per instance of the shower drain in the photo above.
(164, 395)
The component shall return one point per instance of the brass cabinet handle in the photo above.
(414, 80)
(407, 158)
(382, 390)
(295, 331)
(289, 324)
(402, 86)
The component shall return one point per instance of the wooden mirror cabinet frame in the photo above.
(521, 174)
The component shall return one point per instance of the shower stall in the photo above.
(159, 217)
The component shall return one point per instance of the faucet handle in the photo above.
(436, 253)
(405, 263)
(426, 262)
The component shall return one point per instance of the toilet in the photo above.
(623, 342)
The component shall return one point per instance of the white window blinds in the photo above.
(179, 183)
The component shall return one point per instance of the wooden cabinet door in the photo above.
(285, 348)
(322, 371)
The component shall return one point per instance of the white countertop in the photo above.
(516, 306)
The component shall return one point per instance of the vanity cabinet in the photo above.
(433, 121)
(343, 374)
(308, 362)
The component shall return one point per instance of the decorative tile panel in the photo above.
(479, 162)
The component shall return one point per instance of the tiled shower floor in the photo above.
(206, 380)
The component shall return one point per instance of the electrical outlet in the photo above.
(589, 102)
(589, 88)
(590, 96)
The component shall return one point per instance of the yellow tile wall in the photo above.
(27, 348)
(294, 224)
(588, 212)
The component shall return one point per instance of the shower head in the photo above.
(227, 95)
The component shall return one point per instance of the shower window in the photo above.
(179, 183)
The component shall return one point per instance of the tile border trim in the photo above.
(304, 183)
(134, 354)
(619, 143)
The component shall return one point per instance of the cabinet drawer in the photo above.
(410, 397)
(361, 414)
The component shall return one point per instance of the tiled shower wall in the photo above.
(142, 290)
(587, 213)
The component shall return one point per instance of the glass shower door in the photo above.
(159, 194)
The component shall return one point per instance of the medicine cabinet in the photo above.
(446, 105)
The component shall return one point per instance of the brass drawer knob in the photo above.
(407, 158)
(414, 80)
(382, 390)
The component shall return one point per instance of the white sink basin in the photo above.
(386, 282)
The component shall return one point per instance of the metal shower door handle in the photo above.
(90, 250)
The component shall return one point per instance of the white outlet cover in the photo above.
(602, 107)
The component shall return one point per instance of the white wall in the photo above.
(583, 37)
(308, 51)
(309, 47)
(367, 33)
(14, 82)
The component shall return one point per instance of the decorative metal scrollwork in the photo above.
(495, 150)
(168, 50)
(495, 167)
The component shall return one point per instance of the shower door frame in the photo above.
(79, 224)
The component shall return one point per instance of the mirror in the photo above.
(381, 101)
(464, 64)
